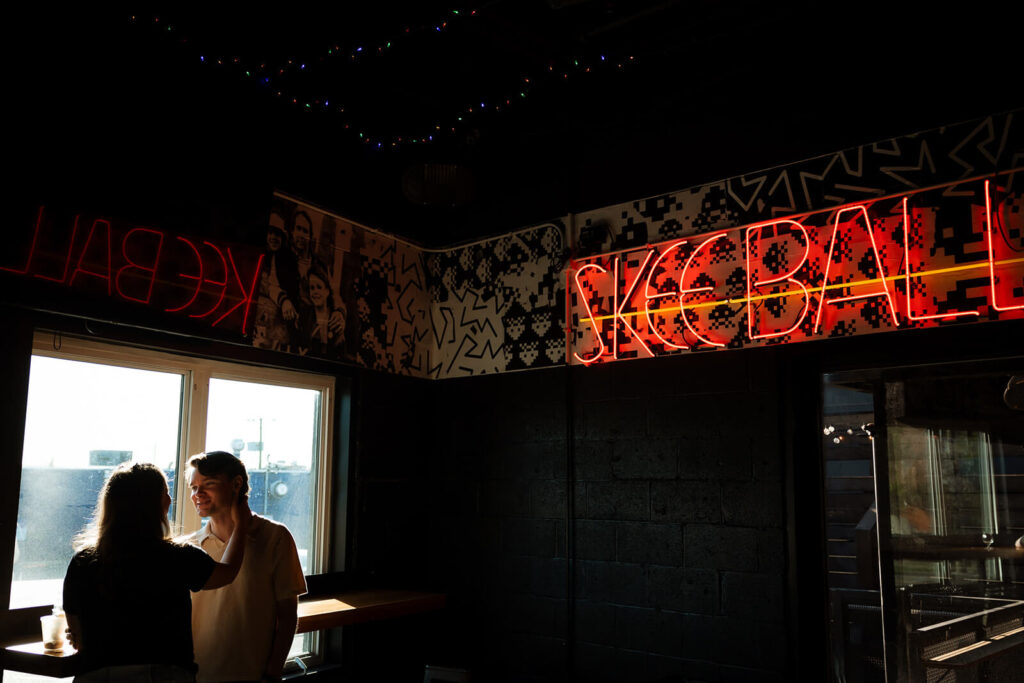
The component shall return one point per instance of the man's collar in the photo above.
(205, 532)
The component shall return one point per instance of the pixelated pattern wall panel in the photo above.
(919, 231)
(860, 174)
(498, 305)
(946, 255)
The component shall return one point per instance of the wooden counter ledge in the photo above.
(31, 658)
(356, 607)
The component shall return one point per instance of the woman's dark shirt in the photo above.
(137, 608)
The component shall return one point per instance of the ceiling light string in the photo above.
(338, 52)
(556, 74)
(568, 69)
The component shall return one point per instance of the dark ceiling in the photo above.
(135, 115)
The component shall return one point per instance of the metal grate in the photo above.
(941, 648)
(933, 675)
(1003, 627)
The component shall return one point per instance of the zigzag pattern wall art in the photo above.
(950, 254)
(839, 220)
(909, 163)
(918, 231)
(334, 289)
(499, 305)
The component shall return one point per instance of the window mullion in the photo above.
(195, 437)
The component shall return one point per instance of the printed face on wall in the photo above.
(274, 240)
(301, 230)
(317, 291)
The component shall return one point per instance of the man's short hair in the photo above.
(213, 463)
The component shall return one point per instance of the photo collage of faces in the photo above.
(300, 306)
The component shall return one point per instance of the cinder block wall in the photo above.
(389, 497)
(498, 533)
(660, 557)
(680, 558)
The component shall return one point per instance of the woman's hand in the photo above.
(336, 323)
(225, 571)
(74, 632)
(288, 311)
(241, 515)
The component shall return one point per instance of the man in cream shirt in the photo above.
(243, 631)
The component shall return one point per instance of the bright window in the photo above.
(275, 431)
(82, 419)
(92, 406)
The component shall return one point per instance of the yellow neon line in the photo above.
(812, 290)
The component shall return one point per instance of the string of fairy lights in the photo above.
(279, 78)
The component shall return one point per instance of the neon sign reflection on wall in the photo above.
(939, 256)
(200, 279)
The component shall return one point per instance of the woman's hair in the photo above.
(129, 510)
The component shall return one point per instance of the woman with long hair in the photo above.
(126, 591)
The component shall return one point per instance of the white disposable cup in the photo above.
(53, 632)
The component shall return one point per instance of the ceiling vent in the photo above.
(437, 184)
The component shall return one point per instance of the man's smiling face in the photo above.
(210, 494)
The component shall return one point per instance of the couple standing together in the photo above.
(220, 605)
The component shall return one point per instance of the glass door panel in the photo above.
(848, 418)
(82, 420)
(948, 470)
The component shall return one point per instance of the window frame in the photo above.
(197, 373)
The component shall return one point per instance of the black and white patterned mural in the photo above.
(319, 285)
(334, 289)
(913, 162)
(500, 305)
